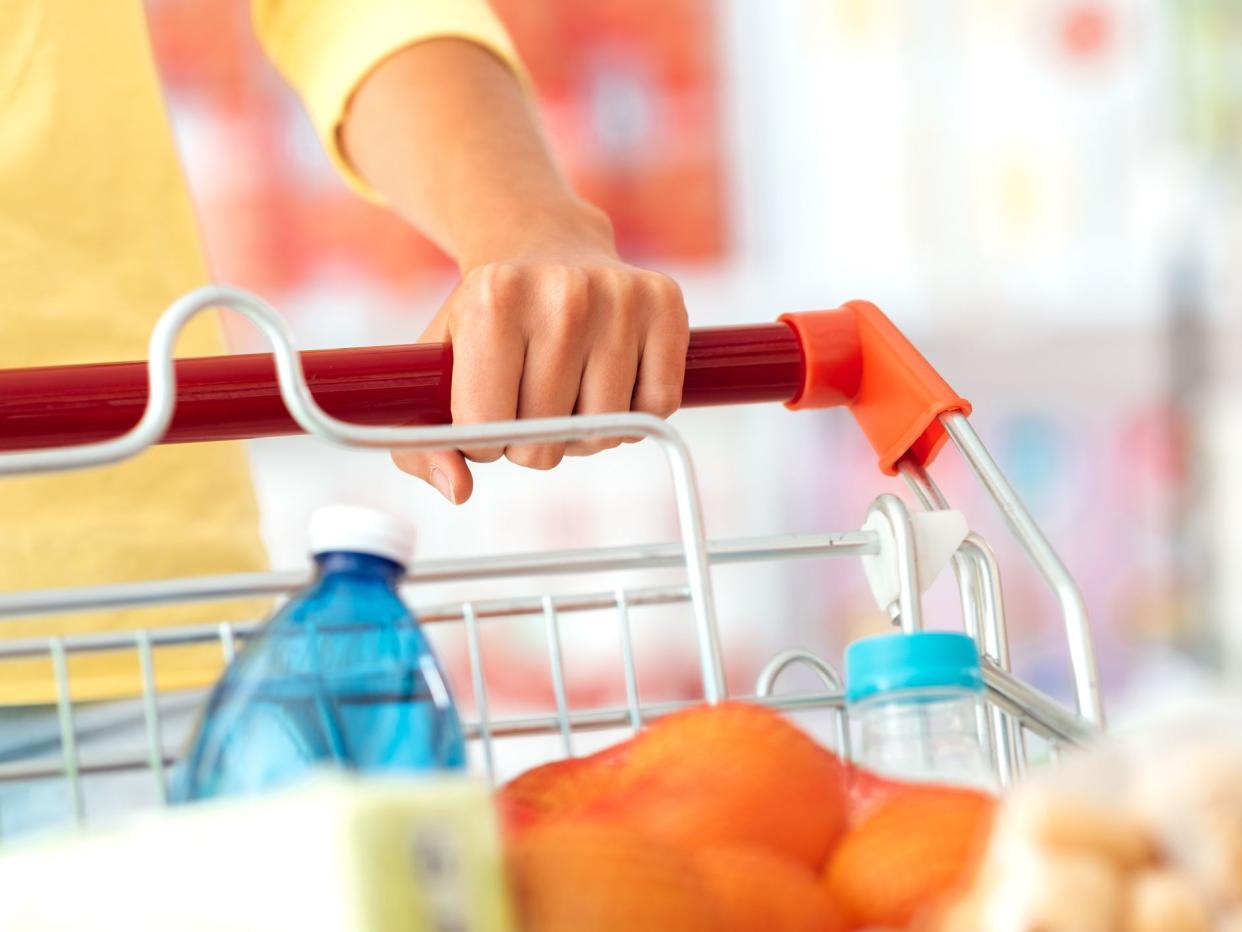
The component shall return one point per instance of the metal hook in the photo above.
(786, 659)
(827, 674)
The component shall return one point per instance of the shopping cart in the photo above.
(70, 418)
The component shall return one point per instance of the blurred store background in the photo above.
(1044, 195)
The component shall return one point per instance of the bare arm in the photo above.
(547, 319)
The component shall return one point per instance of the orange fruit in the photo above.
(605, 877)
(758, 891)
(734, 774)
(868, 789)
(561, 788)
(908, 853)
(708, 776)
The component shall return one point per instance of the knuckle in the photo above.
(561, 286)
(616, 281)
(661, 400)
(662, 288)
(499, 285)
(627, 297)
(571, 282)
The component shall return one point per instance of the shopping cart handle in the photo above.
(855, 356)
(851, 356)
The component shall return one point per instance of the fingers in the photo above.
(640, 364)
(445, 470)
(555, 354)
(489, 349)
(662, 367)
(542, 340)
(607, 384)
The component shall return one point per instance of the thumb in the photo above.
(445, 470)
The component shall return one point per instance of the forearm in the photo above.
(547, 320)
(445, 132)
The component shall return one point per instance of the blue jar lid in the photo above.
(911, 661)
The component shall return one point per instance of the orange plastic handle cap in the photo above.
(856, 357)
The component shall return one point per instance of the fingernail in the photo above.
(442, 484)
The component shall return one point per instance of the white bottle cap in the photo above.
(354, 529)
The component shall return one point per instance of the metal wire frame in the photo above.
(1016, 707)
(551, 563)
(1050, 566)
(1014, 702)
(978, 578)
(547, 563)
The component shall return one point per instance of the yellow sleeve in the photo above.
(325, 48)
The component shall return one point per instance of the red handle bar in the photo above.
(851, 356)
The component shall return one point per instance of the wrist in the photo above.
(526, 227)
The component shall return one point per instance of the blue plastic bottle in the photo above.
(341, 677)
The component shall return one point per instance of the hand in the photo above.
(547, 320)
(557, 324)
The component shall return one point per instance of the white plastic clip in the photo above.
(937, 535)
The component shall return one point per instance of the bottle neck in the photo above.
(338, 563)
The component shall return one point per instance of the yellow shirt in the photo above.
(97, 236)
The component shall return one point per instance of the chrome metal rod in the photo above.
(983, 614)
(1011, 753)
(628, 667)
(556, 666)
(434, 614)
(515, 727)
(22, 771)
(909, 592)
(794, 657)
(968, 586)
(698, 569)
(228, 642)
(932, 499)
(153, 592)
(1044, 715)
(553, 562)
(643, 556)
(996, 631)
(1038, 711)
(478, 681)
(70, 766)
(1073, 608)
(151, 713)
(619, 717)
